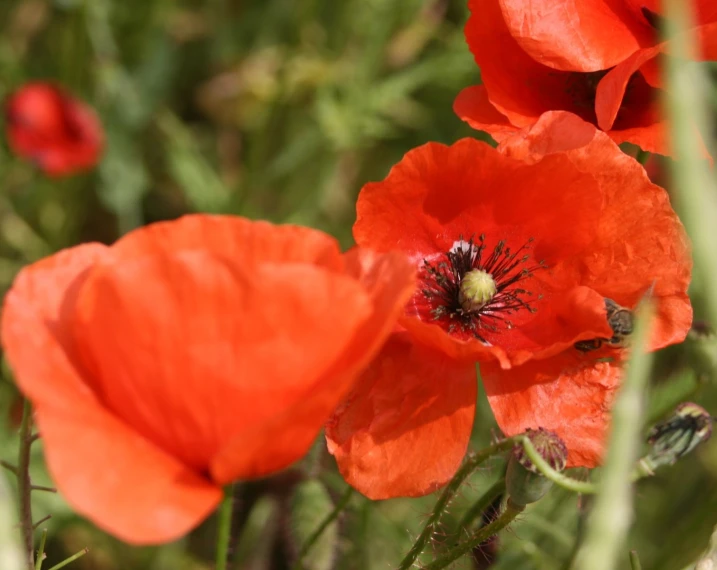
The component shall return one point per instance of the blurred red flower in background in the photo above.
(190, 354)
(538, 56)
(61, 134)
(517, 250)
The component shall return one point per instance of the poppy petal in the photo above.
(275, 328)
(389, 281)
(509, 73)
(405, 428)
(473, 106)
(610, 91)
(247, 242)
(33, 323)
(569, 394)
(105, 470)
(570, 34)
(650, 138)
(629, 252)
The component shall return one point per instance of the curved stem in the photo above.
(506, 517)
(224, 528)
(448, 494)
(331, 517)
(556, 477)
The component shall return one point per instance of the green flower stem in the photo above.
(482, 504)
(41, 550)
(610, 518)
(331, 517)
(24, 485)
(506, 517)
(556, 477)
(72, 558)
(644, 467)
(449, 492)
(9, 467)
(695, 188)
(635, 560)
(224, 528)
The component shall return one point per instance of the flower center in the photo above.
(476, 290)
(471, 292)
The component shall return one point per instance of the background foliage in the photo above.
(282, 110)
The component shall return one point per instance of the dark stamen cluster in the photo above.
(442, 282)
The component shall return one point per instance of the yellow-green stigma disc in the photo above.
(477, 289)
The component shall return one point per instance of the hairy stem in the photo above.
(477, 508)
(447, 496)
(506, 517)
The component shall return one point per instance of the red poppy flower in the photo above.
(189, 354)
(541, 56)
(522, 252)
(59, 133)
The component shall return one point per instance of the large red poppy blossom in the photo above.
(59, 133)
(190, 354)
(517, 250)
(542, 56)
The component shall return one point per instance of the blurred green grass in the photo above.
(281, 110)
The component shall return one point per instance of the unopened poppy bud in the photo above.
(477, 289)
(689, 426)
(525, 484)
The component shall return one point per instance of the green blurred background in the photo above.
(282, 110)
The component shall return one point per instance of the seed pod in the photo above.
(525, 484)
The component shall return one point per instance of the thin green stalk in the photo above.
(584, 487)
(477, 508)
(24, 485)
(694, 189)
(610, 518)
(447, 496)
(506, 517)
(224, 528)
(331, 517)
(9, 467)
(635, 560)
(41, 550)
(72, 558)
(644, 467)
